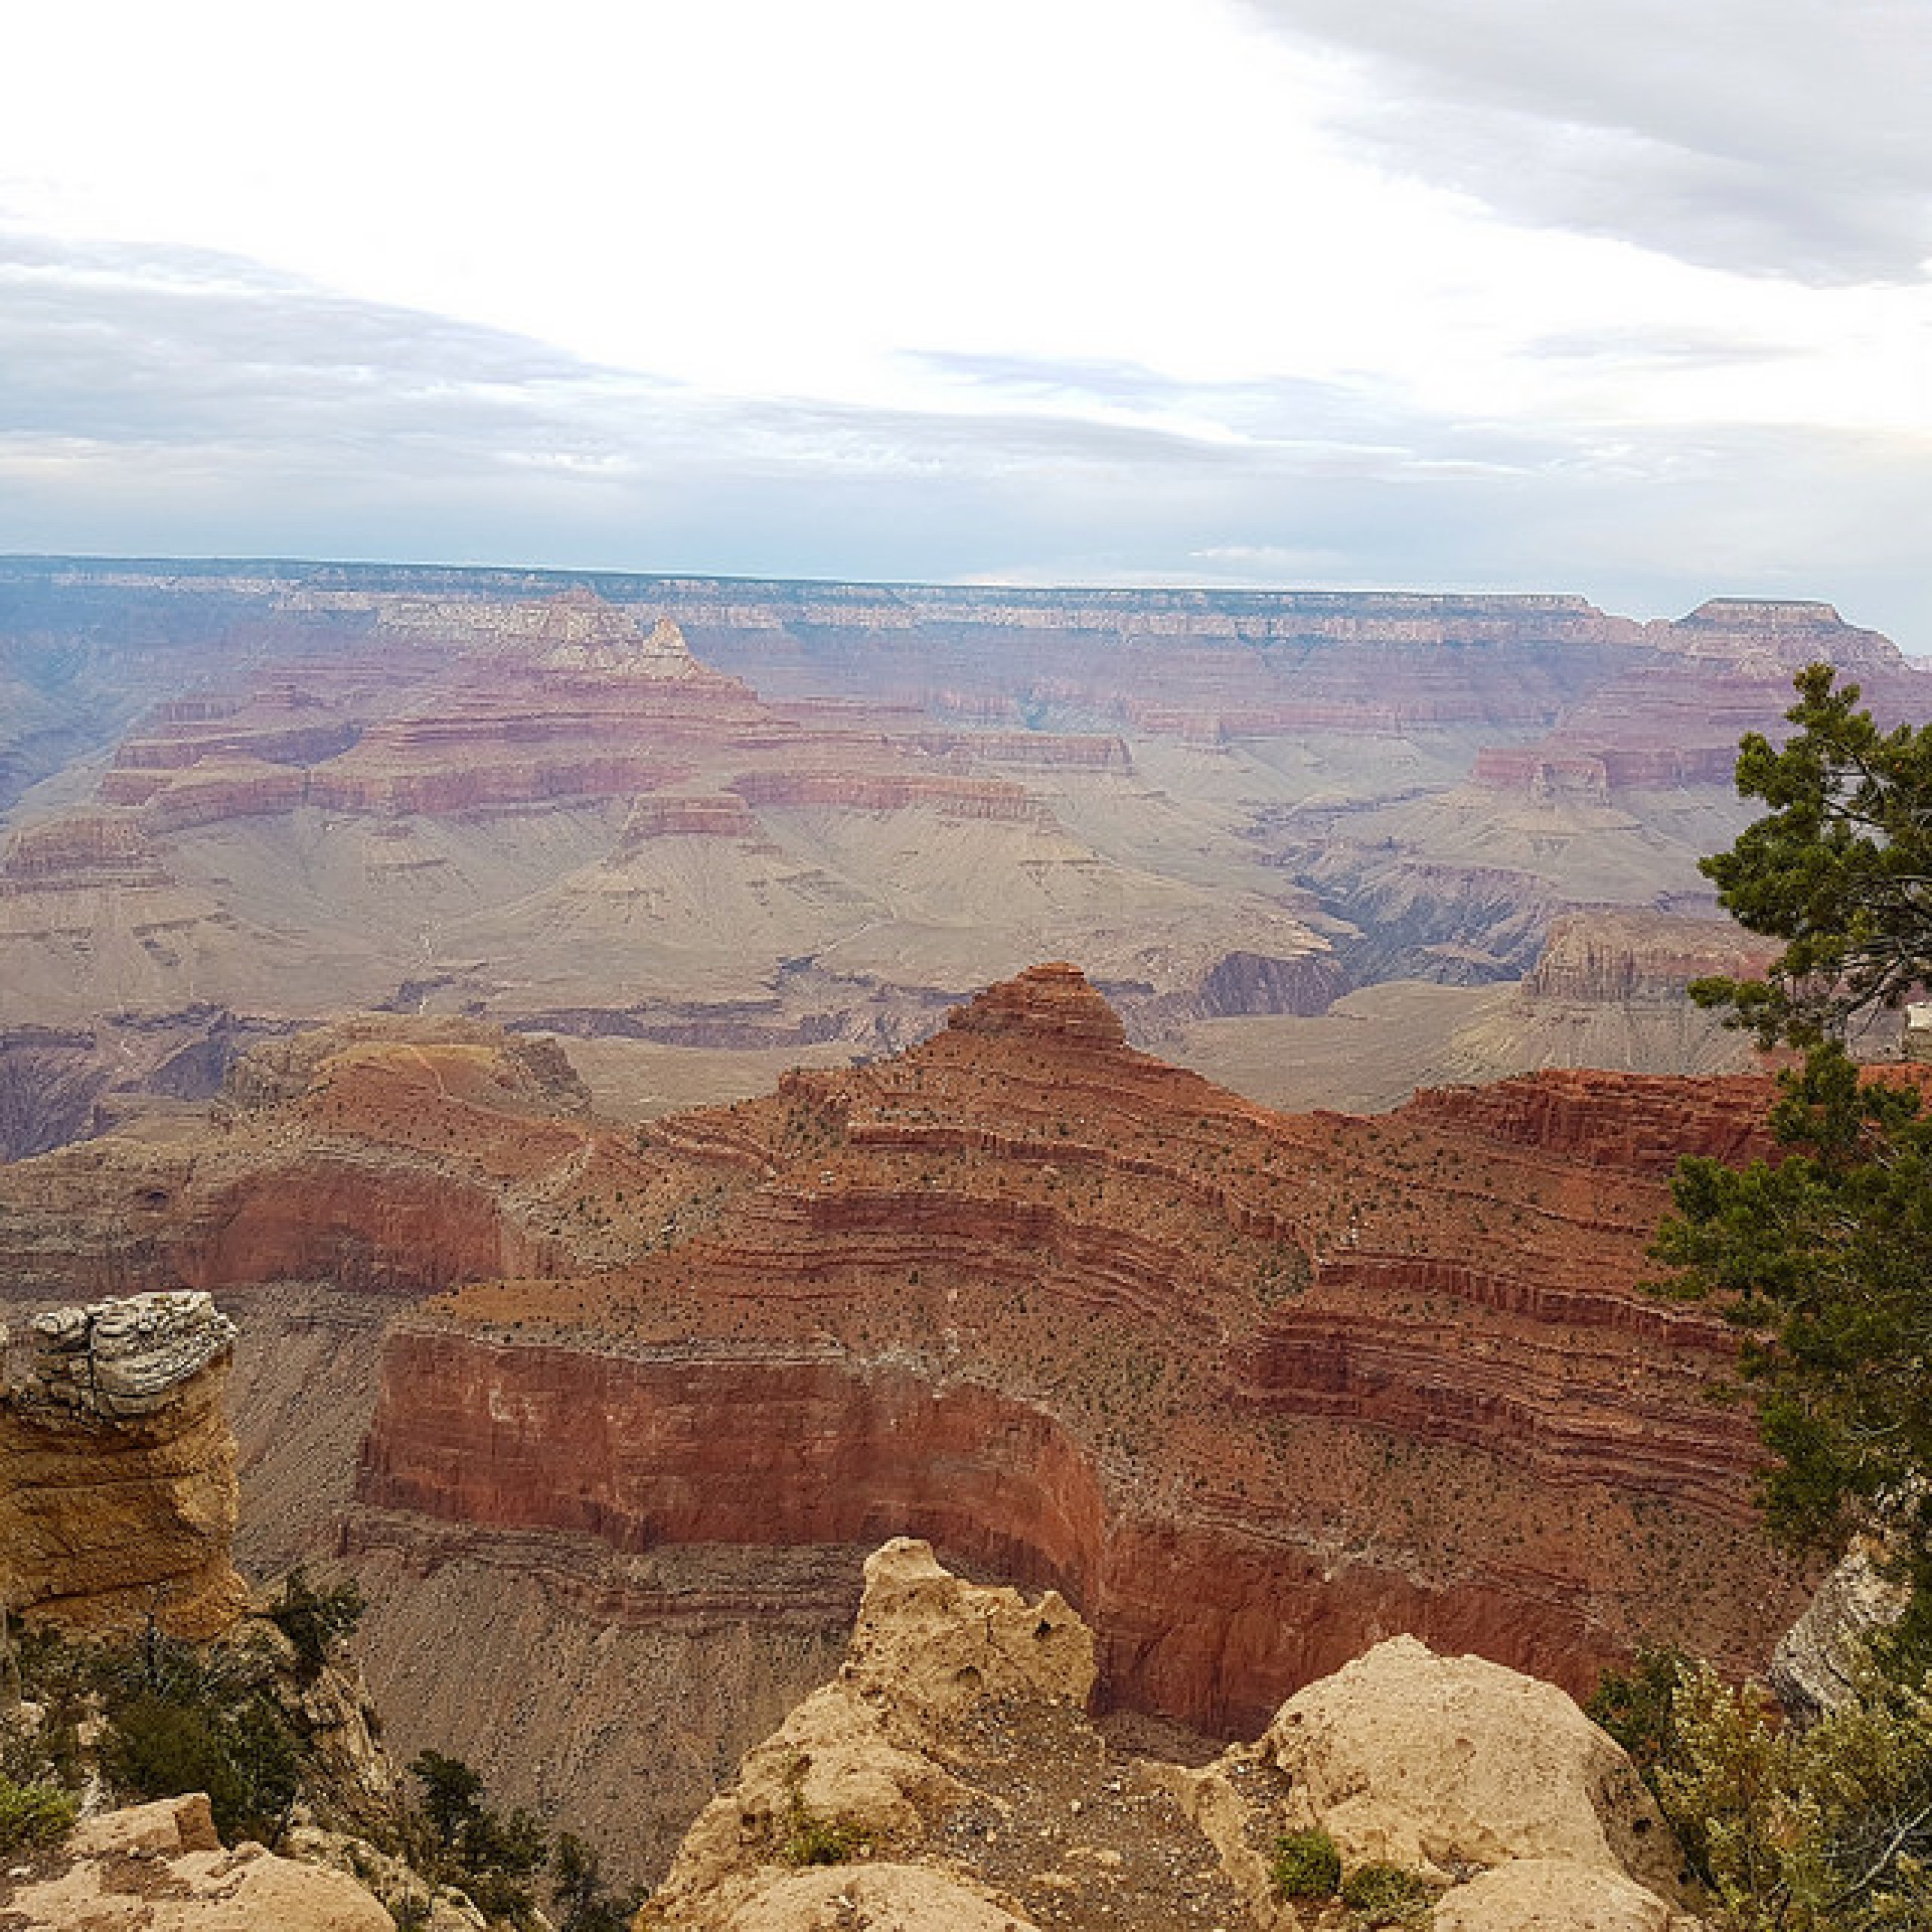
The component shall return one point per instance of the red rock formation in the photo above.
(1251, 1389)
(81, 849)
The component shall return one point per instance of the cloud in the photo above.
(1783, 138)
(158, 402)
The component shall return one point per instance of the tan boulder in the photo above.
(830, 1764)
(927, 1644)
(1555, 1895)
(159, 1868)
(1439, 1763)
(879, 1898)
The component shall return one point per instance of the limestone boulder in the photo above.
(1555, 1895)
(879, 1897)
(927, 1644)
(159, 1867)
(1438, 1764)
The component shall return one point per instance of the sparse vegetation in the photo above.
(809, 1837)
(494, 1859)
(37, 1814)
(1307, 1865)
(315, 1621)
(1823, 1830)
(1383, 1894)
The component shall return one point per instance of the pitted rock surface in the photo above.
(118, 1360)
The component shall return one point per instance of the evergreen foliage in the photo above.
(1822, 1256)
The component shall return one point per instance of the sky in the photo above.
(1629, 297)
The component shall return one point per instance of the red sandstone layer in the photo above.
(1251, 1388)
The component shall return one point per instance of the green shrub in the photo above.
(314, 1621)
(1385, 1895)
(1307, 1865)
(1636, 1706)
(492, 1858)
(1824, 1830)
(810, 1838)
(34, 1814)
(236, 1748)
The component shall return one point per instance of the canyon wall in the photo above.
(1243, 1386)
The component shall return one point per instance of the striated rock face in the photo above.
(118, 1360)
(119, 1491)
(1624, 958)
(1814, 1668)
(951, 1764)
(1249, 1389)
(423, 788)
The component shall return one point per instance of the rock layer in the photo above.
(1247, 1387)
(119, 1491)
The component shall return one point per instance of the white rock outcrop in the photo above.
(160, 1868)
(119, 1359)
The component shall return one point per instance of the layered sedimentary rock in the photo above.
(368, 786)
(1612, 989)
(387, 1155)
(119, 1491)
(1246, 1387)
(949, 1774)
(482, 796)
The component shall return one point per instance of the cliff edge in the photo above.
(949, 1778)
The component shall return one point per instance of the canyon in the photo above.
(586, 1034)
(624, 1405)
(702, 828)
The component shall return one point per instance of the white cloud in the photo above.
(1040, 288)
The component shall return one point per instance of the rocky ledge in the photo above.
(116, 1360)
(949, 1778)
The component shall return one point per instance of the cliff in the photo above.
(949, 1778)
(1085, 1318)
(118, 1495)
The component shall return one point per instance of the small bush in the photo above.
(1637, 1707)
(1307, 1865)
(34, 1814)
(812, 1839)
(314, 1621)
(238, 1751)
(1385, 1895)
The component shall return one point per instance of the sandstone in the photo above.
(166, 1826)
(1004, 1808)
(948, 1777)
(1555, 1895)
(877, 1898)
(929, 1643)
(119, 1494)
(158, 1868)
(1434, 1763)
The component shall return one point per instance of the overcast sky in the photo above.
(1629, 297)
